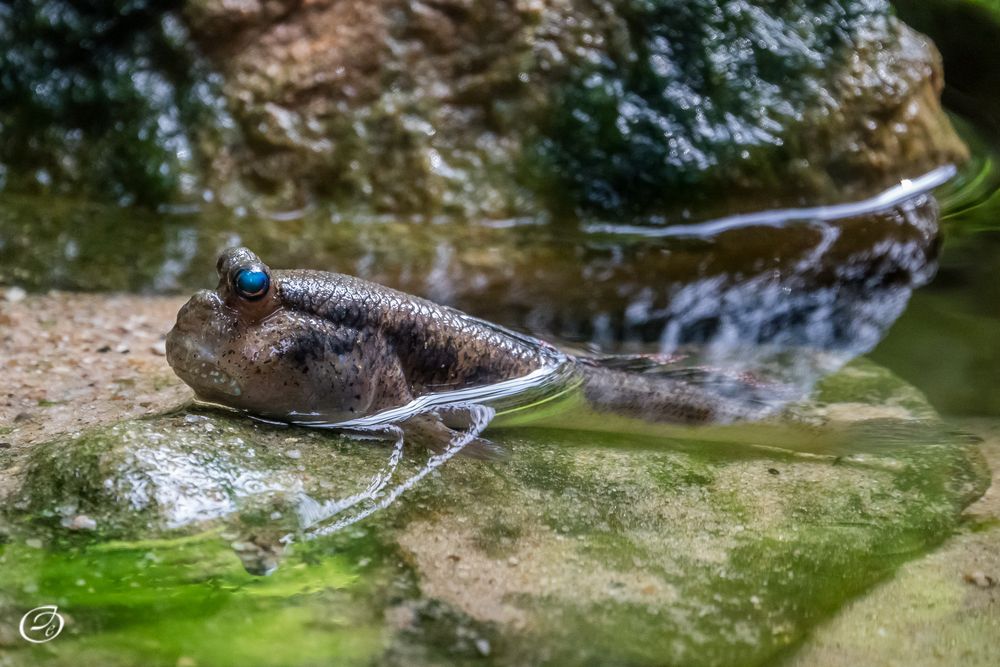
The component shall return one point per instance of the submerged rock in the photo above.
(940, 610)
(703, 546)
(476, 108)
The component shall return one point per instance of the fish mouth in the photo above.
(198, 366)
(190, 351)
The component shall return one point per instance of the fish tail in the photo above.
(650, 392)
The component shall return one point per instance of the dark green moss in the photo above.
(100, 98)
(702, 95)
(628, 107)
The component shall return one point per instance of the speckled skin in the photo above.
(330, 347)
(334, 347)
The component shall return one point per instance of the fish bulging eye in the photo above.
(251, 284)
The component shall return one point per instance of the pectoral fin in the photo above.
(438, 430)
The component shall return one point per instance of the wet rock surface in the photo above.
(487, 109)
(71, 361)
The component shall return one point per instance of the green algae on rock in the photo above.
(489, 108)
(681, 550)
(170, 602)
(939, 610)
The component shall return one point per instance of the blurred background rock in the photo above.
(493, 108)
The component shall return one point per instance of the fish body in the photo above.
(326, 348)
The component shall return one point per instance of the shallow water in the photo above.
(720, 545)
(945, 342)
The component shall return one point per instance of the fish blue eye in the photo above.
(251, 283)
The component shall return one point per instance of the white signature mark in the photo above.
(41, 624)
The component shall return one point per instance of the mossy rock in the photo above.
(704, 547)
(635, 108)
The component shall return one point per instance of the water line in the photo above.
(905, 190)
